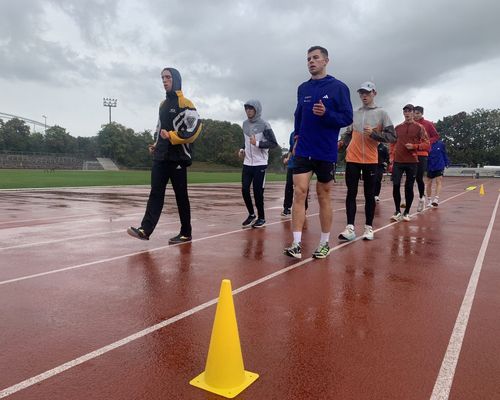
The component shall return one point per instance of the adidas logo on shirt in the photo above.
(325, 96)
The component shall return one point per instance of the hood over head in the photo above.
(258, 108)
(176, 79)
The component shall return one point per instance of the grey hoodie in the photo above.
(257, 154)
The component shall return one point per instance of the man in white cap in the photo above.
(371, 125)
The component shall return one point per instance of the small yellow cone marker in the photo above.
(481, 190)
(224, 372)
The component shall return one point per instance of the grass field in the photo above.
(20, 178)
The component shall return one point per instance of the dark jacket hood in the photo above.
(176, 79)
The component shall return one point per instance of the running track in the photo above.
(86, 312)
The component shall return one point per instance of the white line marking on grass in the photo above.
(444, 380)
(122, 342)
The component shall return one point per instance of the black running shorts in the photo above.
(324, 170)
(434, 174)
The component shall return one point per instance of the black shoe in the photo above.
(294, 250)
(286, 212)
(259, 223)
(138, 233)
(246, 223)
(179, 239)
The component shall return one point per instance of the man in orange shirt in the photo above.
(411, 137)
(423, 154)
(371, 125)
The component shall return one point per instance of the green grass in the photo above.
(21, 178)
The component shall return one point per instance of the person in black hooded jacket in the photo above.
(178, 127)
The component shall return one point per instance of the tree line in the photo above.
(219, 143)
(471, 139)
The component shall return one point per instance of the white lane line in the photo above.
(444, 380)
(115, 231)
(122, 342)
(100, 218)
(54, 271)
(121, 217)
(121, 230)
(76, 218)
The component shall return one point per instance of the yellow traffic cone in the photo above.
(224, 371)
(481, 190)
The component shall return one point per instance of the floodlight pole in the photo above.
(44, 124)
(107, 102)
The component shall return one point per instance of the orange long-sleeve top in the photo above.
(409, 132)
(431, 132)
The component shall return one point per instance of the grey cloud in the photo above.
(238, 49)
(94, 18)
(262, 47)
(27, 57)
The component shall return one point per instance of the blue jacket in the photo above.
(318, 136)
(438, 159)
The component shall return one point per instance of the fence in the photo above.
(473, 172)
(17, 160)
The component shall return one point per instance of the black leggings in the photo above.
(421, 169)
(378, 178)
(161, 173)
(257, 175)
(352, 176)
(288, 201)
(397, 172)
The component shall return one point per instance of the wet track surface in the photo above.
(372, 321)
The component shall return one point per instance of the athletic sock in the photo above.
(297, 237)
(324, 238)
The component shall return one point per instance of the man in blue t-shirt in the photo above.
(323, 107)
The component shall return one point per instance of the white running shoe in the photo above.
(348, 234)
(368, 235)
(435, 202)
(397, 217)
(406, 218)
(421, 204)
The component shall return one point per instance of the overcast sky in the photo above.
(59, 58)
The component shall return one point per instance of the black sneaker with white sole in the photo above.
(286, 212)
(248, 222)
(179, 239)
(294, 250)
(138, 233)
(259, 223)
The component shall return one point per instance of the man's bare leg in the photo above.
(300, 187)
(325, 205)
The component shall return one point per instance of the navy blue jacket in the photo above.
(318, 136)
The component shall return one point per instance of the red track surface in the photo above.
(373, 321)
